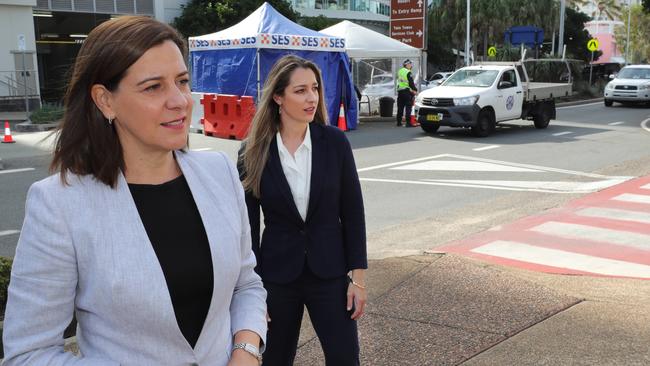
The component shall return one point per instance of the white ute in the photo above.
(480, 96)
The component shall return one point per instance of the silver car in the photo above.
(631, 85)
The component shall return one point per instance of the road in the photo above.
(422, 191)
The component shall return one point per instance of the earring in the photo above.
(279, 108)
(110, 120)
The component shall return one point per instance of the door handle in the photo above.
(519, 92)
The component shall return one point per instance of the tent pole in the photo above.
(259, 92)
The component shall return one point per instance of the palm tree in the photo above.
(608, 10)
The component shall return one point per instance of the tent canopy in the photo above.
(237, 60)
(361, 42)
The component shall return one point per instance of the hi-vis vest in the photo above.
(402, 79)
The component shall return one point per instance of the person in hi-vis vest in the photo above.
(406, 91)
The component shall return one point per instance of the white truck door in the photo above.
(509, 96)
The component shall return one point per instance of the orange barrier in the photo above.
(227, 116)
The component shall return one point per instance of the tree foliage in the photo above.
(317, 23)
(639, 50)
(208, 16)
(489, 21)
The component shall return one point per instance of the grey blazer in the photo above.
(83, 248)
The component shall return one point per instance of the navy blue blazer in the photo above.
(332, 238)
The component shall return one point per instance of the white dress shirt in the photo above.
(297, 170)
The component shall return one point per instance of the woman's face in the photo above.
(300, 99)
(152, 104)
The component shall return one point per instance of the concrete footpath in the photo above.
(443, 309)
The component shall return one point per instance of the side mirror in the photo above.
(504, 85)
(612, 76)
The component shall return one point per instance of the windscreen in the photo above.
(634, 73)
(475, 78)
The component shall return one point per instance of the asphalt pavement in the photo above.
(448, 309)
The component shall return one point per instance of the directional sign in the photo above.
(592, 45)
(409, 31)
(407, 21)
(492, 51)
(407, 9)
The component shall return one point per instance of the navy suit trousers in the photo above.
(326, 302)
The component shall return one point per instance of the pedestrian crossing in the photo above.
(602, 234)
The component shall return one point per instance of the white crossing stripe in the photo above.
(585, 232)
(615, 123)
(16, 170)
(562, 133)
(486, 148)
(563, 259)
(460, 165)
(8, 232)
(635, 198)
(647, 186)
(615, 214)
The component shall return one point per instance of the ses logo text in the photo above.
(284, 40)
(198, 43)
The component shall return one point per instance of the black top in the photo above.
(176, 231)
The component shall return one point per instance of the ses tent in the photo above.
(237, 60)
(376, 58)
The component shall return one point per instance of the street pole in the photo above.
(591, 66)
(25, 86)
(467, 38)
(560, 41)
(627, 42)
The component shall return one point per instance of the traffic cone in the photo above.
(342, 125)
(7, 139)
(413, 121)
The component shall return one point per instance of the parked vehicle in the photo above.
(630, 85)
(481, 96)
(435, 80)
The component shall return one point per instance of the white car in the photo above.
(631, 85)
(435, 80)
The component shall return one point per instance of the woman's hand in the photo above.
(357, 294)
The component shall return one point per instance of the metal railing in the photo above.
(18, 83)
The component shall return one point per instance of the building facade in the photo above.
(373, 14)
(39, 40)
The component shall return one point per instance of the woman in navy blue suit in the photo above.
(312, 253)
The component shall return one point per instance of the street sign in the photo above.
(492, 51)
(407, 22)
(409, 31)
(21, 42)
(407, 9)
(592, 45)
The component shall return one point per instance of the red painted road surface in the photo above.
(602, 234)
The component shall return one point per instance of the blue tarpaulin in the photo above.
(236, 60)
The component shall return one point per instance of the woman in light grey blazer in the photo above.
(146, 243)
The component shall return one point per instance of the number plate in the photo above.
(434, 117)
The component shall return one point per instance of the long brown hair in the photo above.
(266, 121)
(86, 143)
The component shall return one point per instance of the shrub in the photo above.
(48, 113)
(5, 273)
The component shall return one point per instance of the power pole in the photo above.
(627, 42)
(560, 43)
(467, 38)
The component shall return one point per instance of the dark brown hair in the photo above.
(266, 121)
(86, 143)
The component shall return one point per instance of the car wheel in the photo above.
(429, 128)
(608, 103)
(485, 124)
(543, 117)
